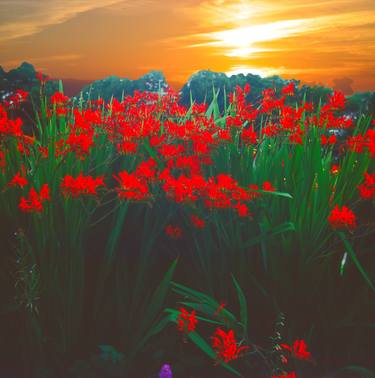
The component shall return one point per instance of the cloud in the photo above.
(20, 18)
(244, 29)
(240, 42)
(44, 59)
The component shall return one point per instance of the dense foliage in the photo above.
(258, 217)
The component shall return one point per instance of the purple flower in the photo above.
(165, 371)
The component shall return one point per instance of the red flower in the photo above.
(299, 350)
(9, 127)
(268, 187)
(242, 209)
(249, 136)
(186, 321)
(342, 218)
(127, 147)
(59, 98)
(174, 232)
(18, 180)
(247, 88)
(82, 185)
(131, 187)
(197, 222)
(288, 90)
(80, 143)
(44, 194)
(225, 345)
(367, 188)
(35, 201)
(335, 169)
(147, 169)
(288, 375)
(330, 140)
(336, 100)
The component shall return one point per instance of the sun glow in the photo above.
(262, 72)
(242, 41)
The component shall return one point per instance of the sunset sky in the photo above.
(314, 41)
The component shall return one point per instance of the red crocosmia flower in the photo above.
(234, 121)
(247, 88)
(242, 209)
(186, 321)
(80, 186)
(296, 138)
(249, 136)
(270, 130)
(131, 187)
(287, 375)
(18, 180)
(80, 143)
(367, 188)
(147, 169)
(35, 201)
(127, 147)
(44, 194)
(59, 98)
(156, 140)
(342, 218)
(288, 90)
(199, 108)
(225, 345)
(330, 140)
(197, 222)
(335, 169)
(168, 151)
(174, 232)
(9, 127)
(336, 100)
(253, 188)
(299, 350)
(267, 186)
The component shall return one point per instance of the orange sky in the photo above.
(314, 41)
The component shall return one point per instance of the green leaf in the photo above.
(243, 305)
(364, 372)
(280, 229)
(343, 263)
(355, 260)
(157, 299)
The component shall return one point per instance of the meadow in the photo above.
(141, 237)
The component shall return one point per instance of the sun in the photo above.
(245, 41)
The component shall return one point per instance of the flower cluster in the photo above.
(186, 321)
(81, 185)
(367, 188)
(34, 203)
(286, 375)
(342, 218)
(298, 350)
(226, 346)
